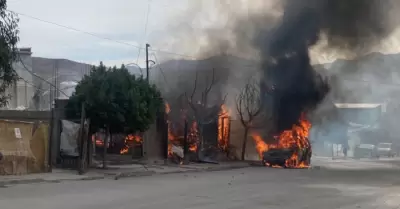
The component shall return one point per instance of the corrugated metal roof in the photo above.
(357, 105)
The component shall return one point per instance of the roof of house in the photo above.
(357, 105)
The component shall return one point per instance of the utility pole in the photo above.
(147, 63)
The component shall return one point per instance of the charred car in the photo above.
(287, 157)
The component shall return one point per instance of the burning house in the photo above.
(184, 138)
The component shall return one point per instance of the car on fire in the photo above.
(281, 157)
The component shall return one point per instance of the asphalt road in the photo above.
(257, 187)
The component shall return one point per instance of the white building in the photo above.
(68, 88)
(22, 91)
(42, 80)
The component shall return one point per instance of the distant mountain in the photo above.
(225, 66)
(136, 70)
(371, 78)
(175, 77)
(55, 71)
(58, 69)
(372, 67)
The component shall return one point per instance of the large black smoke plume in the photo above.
(292, 86)
(277, 35)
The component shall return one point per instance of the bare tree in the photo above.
(203, 111)
(248, 106)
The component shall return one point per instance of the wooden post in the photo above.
(185, 143)
(88, 137)
(105, 147)
(50, 144)
(228, 138)
(222, 132)
(83, 142)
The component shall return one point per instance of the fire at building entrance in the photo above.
(184, 136)
(119, 144)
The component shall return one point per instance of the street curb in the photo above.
(153, 173)
(25, 181)
(209, 169)
(118, 176)
(40, 180)
(133, 174)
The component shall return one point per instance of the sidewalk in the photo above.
(116, 172)
(353, 164)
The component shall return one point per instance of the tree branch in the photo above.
(195, 87)
(248, 103)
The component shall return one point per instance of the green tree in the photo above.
(8, 50)
(116, 101)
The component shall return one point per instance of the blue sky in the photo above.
(121, 20)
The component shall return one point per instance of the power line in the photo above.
(161, 70)
(31, 84)
(145, 28)
(37, 76)
(97, 36)
(105, 38)
(73, 29)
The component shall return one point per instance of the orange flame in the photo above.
(176, 139)
(223, 128)
(98, 141)
(167, 108)
(129, 140)
(297, 138)
(193, 132)
(194, 136)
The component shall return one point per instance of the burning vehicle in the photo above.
(291, 149)
(287, 158)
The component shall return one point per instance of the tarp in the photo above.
(354, 127)
(68, 139)
(177, 150)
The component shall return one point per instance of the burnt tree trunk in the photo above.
(244, 145)
(200, 142)
(185, 143)
(82, 142)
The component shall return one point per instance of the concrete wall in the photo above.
(236, 141)
(25, 115)
(155, 141)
